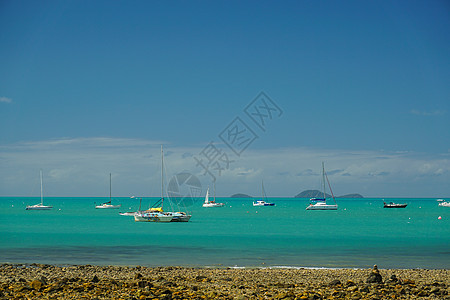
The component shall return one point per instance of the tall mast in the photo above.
(109, 187)
(162, 176)
(214, 190)
(262, 190)
(323, 180)
(42, 197)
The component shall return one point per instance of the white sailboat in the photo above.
(443, 203)
(263, 201)
(212, 203)
(157, 214)
(321, 203)
(108, 204)
(41, 205)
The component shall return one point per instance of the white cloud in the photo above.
(5, 100)
(436, 112)
(81, 167)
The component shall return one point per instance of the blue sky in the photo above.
(93, 87)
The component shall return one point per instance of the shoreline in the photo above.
(42, 281)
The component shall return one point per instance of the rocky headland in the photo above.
(117, 282)
(317, 193)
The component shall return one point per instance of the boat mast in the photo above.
(323, 180)
(42, 197)
(262, 190)
(109, 187)
(162, 177)
(214, 190)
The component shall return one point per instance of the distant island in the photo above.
(317, 193)
(305, 194)
(241, 196)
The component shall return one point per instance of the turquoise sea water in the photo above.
(360, 234)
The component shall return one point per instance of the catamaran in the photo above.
(263, 202)
(212, 203)
(321, 203)
(108, 204)
(157, 214)
(41, 205)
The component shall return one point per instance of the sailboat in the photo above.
(108, 204)
(443, 203)
(212, 203)
(263, 202)
(41, 205)
(157, 214)
(321, 203)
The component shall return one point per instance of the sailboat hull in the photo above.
(38, 207)
(262, 203)
(322, 206)
(105, 206)
(213, 204)
(153, 217)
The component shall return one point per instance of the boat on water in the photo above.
(321, 203)
(128, 213)
(108, 204)
(156, 213)
(443, 203)
(263, 201)
(152, 217)
(39, 206)
(394, 205)
(212, 203)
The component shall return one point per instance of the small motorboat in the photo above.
(394, 205)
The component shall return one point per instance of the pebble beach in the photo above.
(37, 281)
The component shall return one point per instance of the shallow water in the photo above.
(360, 234)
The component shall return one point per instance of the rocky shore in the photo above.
(37, 281)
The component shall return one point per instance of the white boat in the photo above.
(212, 203)
(128, 213)
(157, 214)
(262, 202)
(108, 204)
(152, 217)
(321, 203)
(443, 203)
(41, 205)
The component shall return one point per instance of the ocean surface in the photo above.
(359, 234)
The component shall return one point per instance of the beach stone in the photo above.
(364, 289)
(374, 276)
(350, 283)
(435, 290)
(335, 282)
(352, 288)
(36, 285)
